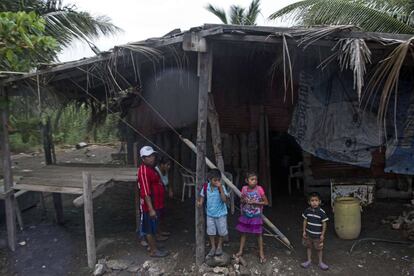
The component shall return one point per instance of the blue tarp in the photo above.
(400, 151)
(327, 121)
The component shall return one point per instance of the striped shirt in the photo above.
(314, 220)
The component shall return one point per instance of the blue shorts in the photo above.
(217, 226)
(149, 225)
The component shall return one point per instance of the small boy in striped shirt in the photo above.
(314, 228)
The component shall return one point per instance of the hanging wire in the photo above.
(134, 129)
(146, 102)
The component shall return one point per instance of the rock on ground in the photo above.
(223, 260)
(117, 264)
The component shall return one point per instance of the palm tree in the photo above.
(395, 16)
(238, 15)
(64, 22)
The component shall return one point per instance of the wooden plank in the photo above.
(57, 68)
(72, 184)
(89, 224)
(159, 42)
(7, 171)
(100, 189)
(279, 30)
(203, 85)
(57, 203)
(48, 189)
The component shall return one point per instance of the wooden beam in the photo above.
(89, 225)
(275, 39)
(203, 85)
(155, 43)
(48, 188)
(57, 203)
(279, 30)
(79, 201)
(7, 171)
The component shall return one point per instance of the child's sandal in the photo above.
(262, 260)
(237, 255)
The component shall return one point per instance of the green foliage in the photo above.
(70, 125)
(64, 22)
(74, 127)
(22, 41)
(237, 15)
(369, 15)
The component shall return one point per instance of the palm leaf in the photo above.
(220, 13)
(252, 13)
(64, 23)
(363, 14)
(236, 15)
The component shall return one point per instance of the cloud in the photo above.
(142, 19)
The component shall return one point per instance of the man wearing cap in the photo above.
(152, 198)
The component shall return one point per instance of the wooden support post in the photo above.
(47, 141)
(131, 139)
(57, 203)
(213, 119)
(135, 153)
(89, 225)
(7, 172)
(137, 201)
(177, 183)
(204, 63)
(264, 145)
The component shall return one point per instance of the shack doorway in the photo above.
(284, 153)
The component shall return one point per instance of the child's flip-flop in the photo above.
(306, 264)
(211, 253)
(162, 238)
(323, 266)
(219, 251)
(159, 254)
(237, 255)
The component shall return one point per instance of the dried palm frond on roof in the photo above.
(313, 34)
(354, 54)
(387, 75)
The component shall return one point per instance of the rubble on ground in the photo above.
(404, 222)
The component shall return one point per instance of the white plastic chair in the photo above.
(295, 172)
(188, 181)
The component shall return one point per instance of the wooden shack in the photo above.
(252, 79)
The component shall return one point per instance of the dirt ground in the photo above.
(48, 249)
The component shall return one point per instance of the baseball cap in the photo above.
(146, 151)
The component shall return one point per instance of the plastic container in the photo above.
(347, 214)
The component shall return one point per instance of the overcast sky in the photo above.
(142, 19)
